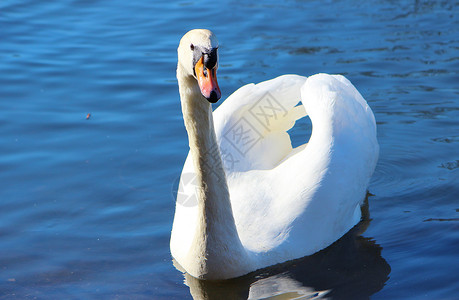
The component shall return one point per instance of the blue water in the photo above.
(92, 143)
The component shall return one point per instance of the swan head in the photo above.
(198, 57)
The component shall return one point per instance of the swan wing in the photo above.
(319, 190)
(251, 125)
(296, 202)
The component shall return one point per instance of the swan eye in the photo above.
(191, 46)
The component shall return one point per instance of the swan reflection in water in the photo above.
(351, 268)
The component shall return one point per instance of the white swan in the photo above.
(246, 199)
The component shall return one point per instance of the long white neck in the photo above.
(216, 250)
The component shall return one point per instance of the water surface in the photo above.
(93, 141)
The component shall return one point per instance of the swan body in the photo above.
(247, 199)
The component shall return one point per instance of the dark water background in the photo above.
(86, 205)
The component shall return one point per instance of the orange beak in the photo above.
(207, 81)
